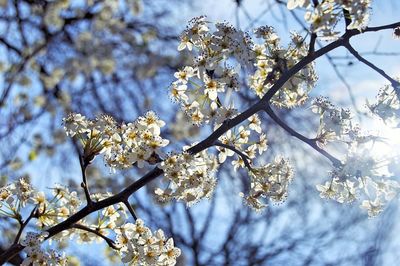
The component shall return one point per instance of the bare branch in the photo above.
(395, 83)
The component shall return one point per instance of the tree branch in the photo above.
(10, 46)
(311, 142)
(244, 157)
(131, 210)
(395, 83)
(84, 164)
(311, 48)
(311, 57)
(23, 225)
(263, 104)
(109, 241)
(347, 18)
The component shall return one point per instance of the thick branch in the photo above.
(311, 57)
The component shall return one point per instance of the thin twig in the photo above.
(23, 225)
(345, 83)
(131, 210)
(84, 183)
(311, 142)
(311, 47)
(109, 241)
(244, 157)
(395, 83)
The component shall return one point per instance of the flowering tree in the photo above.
(207, 88)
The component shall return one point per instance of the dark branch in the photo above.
(84, 164)
(311, 47)
(130, 209)
(244, 157)
(23, 225)
(311, 142)
(395, 83)
(109, 241)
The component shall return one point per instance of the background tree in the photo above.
(98, 58)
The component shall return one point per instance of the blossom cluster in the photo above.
(360, 175)
(15, 197)
(135, 242)
(361, 178)
(190, 177)
(15, 194)
(335, 122)
(240, 139)
(387, 106)
(273, 60)
(123, 144)
(203, 88)
(139, 246)
(199, 88)
(269, 182)
(36, 255)
(19, 194)
(324, 16)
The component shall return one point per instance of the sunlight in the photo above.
(387, 148)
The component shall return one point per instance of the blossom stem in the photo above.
(311, 48)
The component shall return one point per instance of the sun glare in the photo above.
(386, 149)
